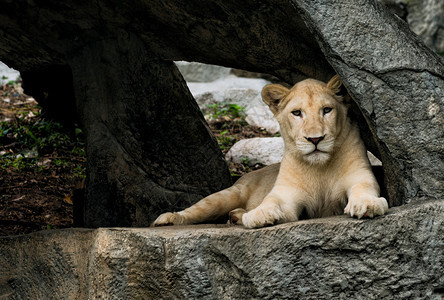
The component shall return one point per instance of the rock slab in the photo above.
(397, 256)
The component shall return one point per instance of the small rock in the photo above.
(374, 161)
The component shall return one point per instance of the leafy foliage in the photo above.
(36, 144)
(233, 111)
(226, 117)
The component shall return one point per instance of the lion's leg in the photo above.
(282, 204)
(364, 200)
(209, 208)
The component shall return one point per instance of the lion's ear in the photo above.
(335, 84)
(273, 94)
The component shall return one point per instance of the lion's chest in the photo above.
(322, 193)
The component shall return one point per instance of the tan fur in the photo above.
(326, 176)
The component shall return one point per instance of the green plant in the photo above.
(27, 141)
(230, 110)
(245, 161)
(225, 140)
(227, 117)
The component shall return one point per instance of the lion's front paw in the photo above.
(169, 219)
(366, 207)
(235, 216)
(263, 215)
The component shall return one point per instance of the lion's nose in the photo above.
(315, 140)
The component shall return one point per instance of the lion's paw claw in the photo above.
(366, 207)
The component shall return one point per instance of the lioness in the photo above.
(324, 165)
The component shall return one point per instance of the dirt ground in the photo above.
(34, 199)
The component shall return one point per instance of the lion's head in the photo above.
(312, 117)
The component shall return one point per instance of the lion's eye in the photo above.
(296, 113)
(326, 110)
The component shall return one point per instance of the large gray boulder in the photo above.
(397, 256)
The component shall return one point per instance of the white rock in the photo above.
(266, 151)
(7, 74)
(209, 98)
(223, 84)
(374, 161)
(261, 116)
(242, 97)
(198, 72)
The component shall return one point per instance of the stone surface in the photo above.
(52, 87)
(152, 148)
(245, 97)
(7, 74)
(198, 72)
(426, 19)
(398, 7)
(397, 256)
(229, 84)
(261, 116)
(265, 151)
(374, 161)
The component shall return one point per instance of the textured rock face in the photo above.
(398, 256)
(426, 19)
(149, 145)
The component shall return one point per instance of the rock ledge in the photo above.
(397, 256)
